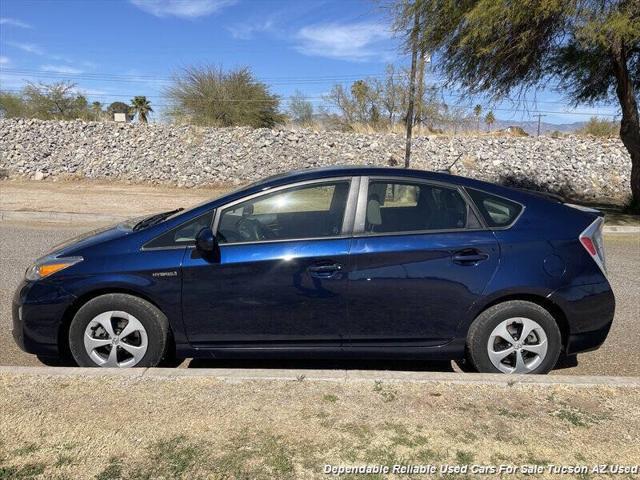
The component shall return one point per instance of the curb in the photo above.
(620, 229)
(81, 218)
(341, 376)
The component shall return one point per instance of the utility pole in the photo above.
(412, 89)
(419, 106)
(539, 115)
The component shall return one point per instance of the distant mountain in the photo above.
(469, 124)
(531, 127)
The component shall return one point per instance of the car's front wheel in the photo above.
(118, 330)
(514, 337)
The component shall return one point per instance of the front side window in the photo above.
(394, 206)
(184, 234)
(307, 211)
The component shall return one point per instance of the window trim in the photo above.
(360, 219)
(481, 216)
(347, 221)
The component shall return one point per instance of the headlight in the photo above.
(48, 266)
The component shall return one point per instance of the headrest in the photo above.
(373, 212)
(378, 191)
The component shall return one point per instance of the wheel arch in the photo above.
(70, 312)
(553, 308)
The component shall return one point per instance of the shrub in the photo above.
(599, 127)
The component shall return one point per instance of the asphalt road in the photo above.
(20, 244)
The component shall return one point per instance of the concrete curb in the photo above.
(621, 229)
(71, 218)
(342, 376)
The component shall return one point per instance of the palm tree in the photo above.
(96, 109)
(141, 107)
(477, 111)
(489, 119)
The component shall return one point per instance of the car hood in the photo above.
(86, 240)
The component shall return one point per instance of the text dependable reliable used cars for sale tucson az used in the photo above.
(350, 262)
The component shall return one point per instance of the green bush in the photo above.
(212, 97)
(599, 127)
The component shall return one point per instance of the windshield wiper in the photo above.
(154, 219)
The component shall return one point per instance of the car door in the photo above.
(281, 278)
(420, 258)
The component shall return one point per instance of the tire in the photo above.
(495, 343)
(139, 332)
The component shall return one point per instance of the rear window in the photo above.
(497, 211)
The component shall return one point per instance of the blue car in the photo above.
(341, 262)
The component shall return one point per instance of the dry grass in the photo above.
(141, 428)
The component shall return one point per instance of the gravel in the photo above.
(579, 167)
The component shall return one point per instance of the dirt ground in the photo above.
(129, 200)
(99, 197)
(200, 427)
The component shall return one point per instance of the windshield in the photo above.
(145, 221)
(231, 192)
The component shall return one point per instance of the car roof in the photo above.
(359, 170)
(513, 193)
(349, 171)
(283, 179)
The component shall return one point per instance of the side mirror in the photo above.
(206, 241)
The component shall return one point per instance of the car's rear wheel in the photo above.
(118, 330)
(514, 337)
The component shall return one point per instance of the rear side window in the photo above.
(497, 211)
(182, 235)
(396, 207)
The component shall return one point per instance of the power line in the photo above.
(306, 80)
(336, 79)
(163, 79)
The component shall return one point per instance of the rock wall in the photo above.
(578, 167)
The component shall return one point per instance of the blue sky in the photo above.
(115, 49)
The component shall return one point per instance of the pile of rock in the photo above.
(585, 168)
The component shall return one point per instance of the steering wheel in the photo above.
(250, 229)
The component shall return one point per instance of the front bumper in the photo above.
(38, 309)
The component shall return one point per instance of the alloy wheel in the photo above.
(517, 345)
(115, 339)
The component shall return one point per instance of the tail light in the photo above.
(591, 240)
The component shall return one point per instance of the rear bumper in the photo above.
(589, 310)
(37, 312)
(587, 341)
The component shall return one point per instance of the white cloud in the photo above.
(356, 41)
(60, 69)
(97, 92)
(27, 47)
(182, 8)
(14, 22)
(4, 60)
(246, 31)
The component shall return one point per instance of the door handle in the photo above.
(324, 271)
(472, 257)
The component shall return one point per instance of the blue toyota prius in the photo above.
(359, 262)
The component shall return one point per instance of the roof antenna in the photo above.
(448, 169)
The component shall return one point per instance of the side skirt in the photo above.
(453, 350)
